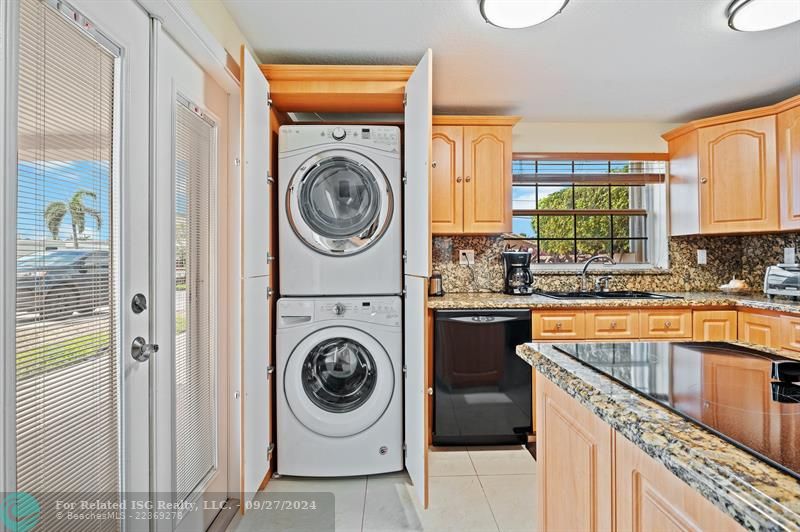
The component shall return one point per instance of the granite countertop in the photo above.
(752, 492)
(493, 300)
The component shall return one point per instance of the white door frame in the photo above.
(9, 42)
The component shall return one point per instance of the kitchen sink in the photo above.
(614, 294)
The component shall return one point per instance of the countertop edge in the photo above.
(684, 448)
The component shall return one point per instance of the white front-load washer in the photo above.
(340, 219)
(339, 391)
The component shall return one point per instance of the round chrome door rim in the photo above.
(354, 244)
(333, 424)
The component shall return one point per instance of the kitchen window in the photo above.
(567, 209)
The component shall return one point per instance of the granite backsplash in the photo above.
(746, 257)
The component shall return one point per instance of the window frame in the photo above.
(654, 206)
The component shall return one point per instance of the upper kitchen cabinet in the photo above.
(724, 172)
(471, 174)
(789, 165)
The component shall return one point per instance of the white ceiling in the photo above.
(600, 60)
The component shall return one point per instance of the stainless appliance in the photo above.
(782, 280)
(750, 398)
(435, 286)
(482, 389)
(518, 276)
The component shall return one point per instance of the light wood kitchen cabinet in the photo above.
(559, 324)
(447, 177)
(471, 174)
(574, 453)
(761, 329)
(790, 332)
(736, 173)
(649, 497)
(715, 325)
(612, 324)
(789, 167)
(665, 323)
(738, 177)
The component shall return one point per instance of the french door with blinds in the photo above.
(82, 255)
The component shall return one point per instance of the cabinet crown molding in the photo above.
(474, 120)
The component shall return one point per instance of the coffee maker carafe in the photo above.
(518, 277)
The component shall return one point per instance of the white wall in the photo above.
(219, 22)
(642, 137)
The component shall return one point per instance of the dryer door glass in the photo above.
(339, 375)
(340, 199)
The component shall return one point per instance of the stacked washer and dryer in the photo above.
(339, 322)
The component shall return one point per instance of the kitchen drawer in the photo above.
(669, 323)
(563, 324)
(760, 329)
(791, 332)
(715, 325)
(612, 324)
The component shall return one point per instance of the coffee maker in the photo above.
(518, 277)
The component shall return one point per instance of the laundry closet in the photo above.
(334, 258)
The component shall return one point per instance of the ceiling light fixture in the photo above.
(515, 14)
(759, 15)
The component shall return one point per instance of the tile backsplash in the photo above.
(744, 256)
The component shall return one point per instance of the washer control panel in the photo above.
(382, 310)
(386, 138)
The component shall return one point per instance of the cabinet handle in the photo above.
(458, 179)
(704, 180)
(667, 324)
(468, 179)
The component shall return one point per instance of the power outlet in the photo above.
(702, 257)
(466, 257)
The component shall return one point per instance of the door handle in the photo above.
(141, 351)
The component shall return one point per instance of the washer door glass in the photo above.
(339, 375)
(340, 199)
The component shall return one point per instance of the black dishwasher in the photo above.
(482, 389)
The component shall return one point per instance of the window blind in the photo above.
(195, 336)
(67, 392)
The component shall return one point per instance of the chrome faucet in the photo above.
(586, 267)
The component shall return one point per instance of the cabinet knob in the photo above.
(430, 391)
(558, 325)
(704, 180)
(468, 179)
(434, 164)
(613, 324)
(458, 179)
(667, 324)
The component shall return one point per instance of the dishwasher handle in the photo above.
(482, 319)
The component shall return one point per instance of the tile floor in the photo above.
(471, 489)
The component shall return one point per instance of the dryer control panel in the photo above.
(386, 138)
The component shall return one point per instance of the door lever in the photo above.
(141, 351)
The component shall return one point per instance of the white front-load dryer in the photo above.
(339, 386)
(340, 218)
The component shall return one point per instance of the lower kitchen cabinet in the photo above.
(715, 325)
(612, 324)
(790, 332)
(592, 478)
(559, 324)
(574, 450)
(665, 323)
(761, 329)
(649, 497)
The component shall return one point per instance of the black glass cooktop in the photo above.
(745, 396)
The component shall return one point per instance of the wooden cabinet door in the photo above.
(738, 177)
(789, 167)
(714, 325)
(487, 179)
(559, 324)
(760, 329)
(574, 452)
(649, 497)
(790, 333)
(665, 323)
(612, 324)
(447, 187)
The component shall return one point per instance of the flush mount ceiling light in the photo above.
(515, 14)
(758, 15)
